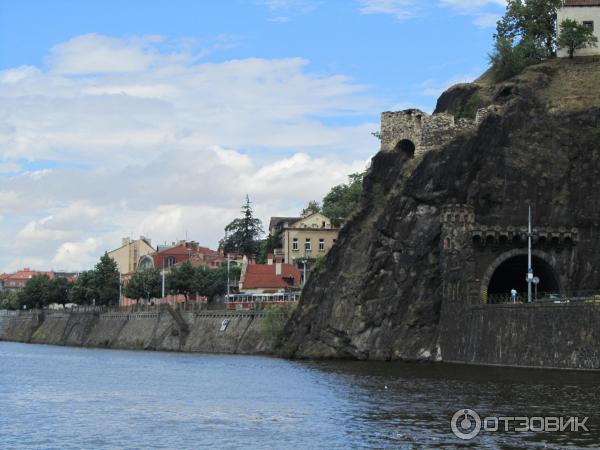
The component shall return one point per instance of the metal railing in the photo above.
(578, 296)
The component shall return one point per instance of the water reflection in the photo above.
(56, 397)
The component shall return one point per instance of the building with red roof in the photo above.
(19, 279)
(177, 253)
(270, 278)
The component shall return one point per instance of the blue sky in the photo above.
(156, 117)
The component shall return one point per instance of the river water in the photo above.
(72, 398)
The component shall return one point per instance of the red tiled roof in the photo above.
(262, 276)
(582, 3)
(25, 274)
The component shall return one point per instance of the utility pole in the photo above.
(529, 265)
(304, 274)
(163, 278)
(228, 259)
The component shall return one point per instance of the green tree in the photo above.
(83, 291)
(575, 36)
(106, 281)
(525, 35)
(507, 59)
(182, 280)
(269, 245)
(312, 207)
(58, 290)
(35, 292)
(343, 199)
(213, 282)
(9, 299)
(243, 235)
(146, 284)
(531, 23)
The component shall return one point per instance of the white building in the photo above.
(586, 12)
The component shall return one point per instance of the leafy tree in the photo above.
(243, 234)
(35, 292)
(58, 290)
(507, 59)
(83, 291)
(269, 245)
(343, 199)
(9, 299)
(181, 280)
(575, 36)
(525, 35)
(146, 284)
(532, 22)
(312, 207)
(213, 282)
(106, 281)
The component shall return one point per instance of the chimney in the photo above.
(278, 268)
(270, 259)
(124, 241)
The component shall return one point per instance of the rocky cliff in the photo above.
(380, 293)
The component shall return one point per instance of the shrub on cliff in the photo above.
(273, 324)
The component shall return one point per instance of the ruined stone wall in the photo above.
(426, 132)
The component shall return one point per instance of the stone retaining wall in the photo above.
(563, 336)
(152, 330)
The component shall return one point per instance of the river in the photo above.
(72, 398)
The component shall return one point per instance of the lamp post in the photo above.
(163, 279)
(529, 266)
(228, 260)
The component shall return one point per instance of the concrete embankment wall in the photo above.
(565, 336)
(153, 330)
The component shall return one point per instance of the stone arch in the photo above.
(541, 265)
(407, 147)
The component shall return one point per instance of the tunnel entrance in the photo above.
(511, 274)
(407, 147)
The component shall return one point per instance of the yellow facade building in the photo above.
(301, 237)
(130, 252)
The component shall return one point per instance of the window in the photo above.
(307, 245)
(321, 245)
(295, 244)
(589, 24)
(169, 261)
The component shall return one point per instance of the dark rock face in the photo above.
(390, 289)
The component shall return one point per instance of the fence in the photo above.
(575, 296)
(190, 307)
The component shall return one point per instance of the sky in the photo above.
(156, 118)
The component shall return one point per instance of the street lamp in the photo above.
(529, 266)
(163, 279)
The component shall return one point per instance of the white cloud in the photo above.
(74, 255)
(282, 10)
(163, 145)
(402, 9)
(434, 88)
(485, 12)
